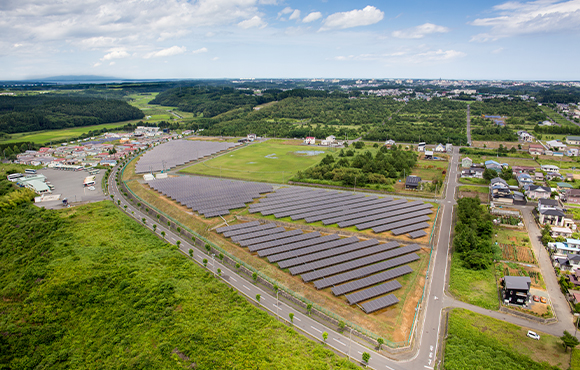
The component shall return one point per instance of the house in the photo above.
(557, 231)
(428, 154)
(421, 146)
(553, 176)
(570, 177)
(563, 186)
(310, 140)
(517, 289)
(523, 169)
(573, 140)
(554, 217)
(556, 145)
(575, 279)
(572, 196)
(524, 179)
(473, 172)
(546, 204)
(412, 182)
(448, 147)
(546, 123)
(498, 182)
(440, 148)
(538, 176)
(536, 149)
(538, 192)
(550, 168)
(251, 137)
(566, 262)
(389, 143)
(500, 191)
(466, 162)
(329, 141)
(525, 136)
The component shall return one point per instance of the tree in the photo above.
(341, 325)
(237, 265)
(154, 227)
(258, 297)
(366, 357)
(191, 253)
(207, 247)
(163, 234)
(168, 223)
(489, 174)
(291, 315)
(158, 216)
(219, 272)
(325, 336)
(309, 308)
(204, 262)
(380, 341)
(144, 220)
(255, 276)
(221, 257)
(178, 229)
(125, 207)
(568, 340)
(178, 243)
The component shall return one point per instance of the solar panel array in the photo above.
(417, 234)
(361, 270)
(208, 196)
(177, 152)
(344, 209)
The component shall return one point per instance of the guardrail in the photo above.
(330, 314)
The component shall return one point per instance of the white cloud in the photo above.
(420, 31)
(541, 16)
(295, 15)
(255, 21)
(174, 50)
(405, 57)
(312, 17)
(439, 55)
(116, 53)
(97, 64)
(286, 10)
(17, 45)
(112, 63)
(497, 51)
(215, 58)
(198, 51)
(355, 18)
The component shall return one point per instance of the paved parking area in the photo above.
(70, 185)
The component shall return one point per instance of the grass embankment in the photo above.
(88, 287)
(476, 287)
(479, 342)
(270, 161)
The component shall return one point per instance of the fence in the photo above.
(288, 291)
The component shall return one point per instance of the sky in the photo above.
(162, 39)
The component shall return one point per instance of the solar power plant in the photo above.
(287, 234)
(236, 227)
(379, 303)
(365, 271)
(386, 212)
(417, 234)
(343, 257)
(320, 200)
(343, 208)
(373, 292)
(361, 262)
(287, 251)
(375, 208)
(177, 152)
(257, 234)
(229, 234)
(311, 250)
(399, 220)
(371, 280)
(207, 196)
(406, 229)
(266, 249)
(298, 214)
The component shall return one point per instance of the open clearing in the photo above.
(41, 137)
(270, 161)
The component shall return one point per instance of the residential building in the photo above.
(566, 262)
(538, 192)
(466, 162)
(421, 146)
(557, 231)
(538, 176)
(572, 196)
(428, 154)
(550, 168)
(251, 137)
(448, 147)
(523, 169)
(547, 203)
(310, 140)
(473, 172)
(554, 217)
(440, 148)
(524, 179)
(536, 149)
(563, 186)
(525, 136)
(570, 177)
(556, 145)
(517, 289)
(572, 152)
(329, 141)
(389, 143)
(553, 176)
(412, 182)
(573, 140)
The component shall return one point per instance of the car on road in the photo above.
(543, 300)
(533, 335)
(91, 188)
(535, 298)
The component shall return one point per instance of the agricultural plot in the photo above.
(512, 252)
(362, 270)
(271, 161)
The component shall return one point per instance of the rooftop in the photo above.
(518, 282)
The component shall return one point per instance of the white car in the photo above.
(91, 188)
(533, 335)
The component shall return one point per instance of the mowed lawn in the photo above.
(271, 161)
(41, 137)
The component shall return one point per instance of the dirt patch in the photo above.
(472, 194)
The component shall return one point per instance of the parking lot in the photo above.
(70, 185)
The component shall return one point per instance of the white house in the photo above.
(538, 192)
(331, 140)
(440, 148)
(550, 168)
(546, 204)
(310, 140)
(251, 137)
(389, 143)
(525, 179)
(421, 146)
(466, 162)
(556, 145)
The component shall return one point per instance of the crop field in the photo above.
(270, 161)
(41, 137)
(517, 253)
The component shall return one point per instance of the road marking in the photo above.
(297, 318)
(359, 352)
(390, 368)
(233, 278)
(246, 287)
(339, 341)
(316, 329)
(428, 367)
(274, 304)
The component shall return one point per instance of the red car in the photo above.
(535, 298)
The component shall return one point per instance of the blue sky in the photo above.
(534, 40)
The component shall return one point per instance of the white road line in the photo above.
(360, 353)
(428, 367)
(316, 329)
(390, 368)
(339, 341)
(295, 318)
(274, 304)
(233, 278)
(246, 287)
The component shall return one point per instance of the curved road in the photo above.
(427, 330)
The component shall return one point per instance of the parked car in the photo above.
(533, 335)
(543, 300)
(535, 298)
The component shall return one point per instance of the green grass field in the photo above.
(555, 116)
(479, 342)
(475, 287)
(41, 137)
(271, 161)
(88, 287)
(475, 189)
(156, 112)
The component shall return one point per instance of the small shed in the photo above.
(466, 162)
(428, 154)
(412, 182)
(517, 289)
(148, 177)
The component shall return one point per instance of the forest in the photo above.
(88, 287)
(50, 112)
(361, 168)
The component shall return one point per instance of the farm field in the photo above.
(514, 244)
(156, 112)
(555, 116)
(113, 293)
(270, 161)
(41, 137)
(479, 342)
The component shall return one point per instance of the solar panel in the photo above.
(320, 200)
(237, 226)
(257, 234)
(417, 234)
(391, 211)
(355, 218)
(371, 280)
(342, 255)
(280, 253)
(406, 229)
(373, 292)
(267, 238)
(310, 250)
(248, 230)
(395, 225)
(338, 205)
(352, 213)
(365, 271)
(332, 204)
(394, 219)
(284, 242)
(289, 201)
(380, 303)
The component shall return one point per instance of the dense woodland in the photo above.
(51, 112)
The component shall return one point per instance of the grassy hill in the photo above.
(88, 287)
